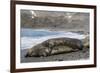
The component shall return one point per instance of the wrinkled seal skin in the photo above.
(55, 46)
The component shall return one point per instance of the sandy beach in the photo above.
(79, 55)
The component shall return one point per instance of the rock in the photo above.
(86, 41)
(55, 46)
(59, 60)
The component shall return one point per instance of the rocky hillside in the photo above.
(54, 20)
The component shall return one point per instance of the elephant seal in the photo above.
(55, 46)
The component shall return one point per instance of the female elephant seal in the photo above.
(55, 46)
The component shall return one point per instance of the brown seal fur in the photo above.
(47, 47)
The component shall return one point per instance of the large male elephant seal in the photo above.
(54, 46)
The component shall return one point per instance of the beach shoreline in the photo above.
(56, 21)
(78, 55)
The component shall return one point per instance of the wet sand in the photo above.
(78, 55)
